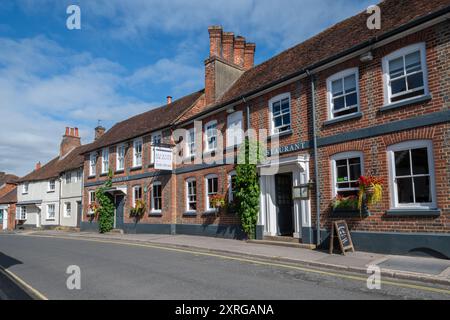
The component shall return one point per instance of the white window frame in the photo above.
(68, 177)
(134, 195)
(119, 157)
(51, 185)
(234, 129)
(48, 211)
(210, 176)
(152, 147)
(231, 174)
(92, 164)
(188, 202)
(136, 163)
(91, 195)
(342, 156)
(207, 137)
(399, 53)
(79, 175)
(189, 143)
(280, 97)
(341, 75)
(406, 145)
(105, 160)
(67, 211)
(25, 188)
(155, 184)
(21, 213)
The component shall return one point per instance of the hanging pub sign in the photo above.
(163, 158)
(339, 230)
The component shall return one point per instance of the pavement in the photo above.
(430, 270)
(143, 267)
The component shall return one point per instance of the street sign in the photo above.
(163, 158)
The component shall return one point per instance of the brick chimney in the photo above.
(169, 99)
(38, 166)
(99, 131)
(70, 140)
(229, 57)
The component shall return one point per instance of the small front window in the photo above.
(212, 186)
(191, 186)
(105, 160)
(51, 185)
(50, 211)
(25, 188)
(347, 168)
(281, 113)
(68, 177)
(68, 210)
(343, 93)
(405, 73)
(191, 142)
(137, 158)
(92, 164)
(120, 157)
(211, 136)
(156, 197)
(137, 194)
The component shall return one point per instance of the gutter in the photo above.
(316, 155)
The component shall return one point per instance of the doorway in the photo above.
(4, 218)
(284, 204)
(79, 213)
(119, 202)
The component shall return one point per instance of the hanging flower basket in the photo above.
(370, 191)
(139, 209)
(217, 201)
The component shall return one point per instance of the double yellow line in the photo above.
(25, 286)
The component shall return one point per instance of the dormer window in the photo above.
(280, 113)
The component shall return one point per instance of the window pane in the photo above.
(277, 122)
(398, 85)
(422, 189)
(351, 100)
(342, 174)
(338, 103)
(355, 171)
(286, 119)
(412, 62)
(415, 81)
(420, 161)
(396, 67)
(350, 83)
(404, 190)
(402, 165)
(336, 88)
(285, 105)
(276, 108)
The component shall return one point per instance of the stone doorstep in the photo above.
(283, 244)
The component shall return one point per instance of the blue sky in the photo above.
(127, 57)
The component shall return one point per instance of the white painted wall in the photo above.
(70, 193)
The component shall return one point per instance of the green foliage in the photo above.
(106, 206)
(247, 186)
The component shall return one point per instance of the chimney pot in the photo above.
(169, 99)
(215, 41)
(67, 131)
(249, 55)
(72, 132)
(228, 46)
(76, 132)
(239, 46)
(38, 165)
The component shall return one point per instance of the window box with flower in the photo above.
(217, 202)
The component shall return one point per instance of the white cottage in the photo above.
(50, 196)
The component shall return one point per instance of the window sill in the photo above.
(352, 116)
(49, 219)
(407, 102)
(211, 153)
(50, 191)
(349, 213)
(104, 174)
(91, 177)
(155, 214)
(281, 134)
(209, 213)
(190, 214)
(413, 212)
(136, 168)
(119, 171)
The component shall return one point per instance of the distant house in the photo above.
(8, 199)
(50, 196)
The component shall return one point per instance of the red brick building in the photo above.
(8, 200)
(349, 101)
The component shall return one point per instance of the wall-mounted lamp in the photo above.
(366, 57)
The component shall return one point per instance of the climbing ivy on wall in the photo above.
(106, 206)
(247, 186)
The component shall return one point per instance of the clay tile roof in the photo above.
(56, 166)
(146, 122)
(335, 40)
(7, 178)
(10, 197)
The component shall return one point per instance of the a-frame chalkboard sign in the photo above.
(339, 229)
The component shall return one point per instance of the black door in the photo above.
(79, 212)
(284, 203)
(119, 203)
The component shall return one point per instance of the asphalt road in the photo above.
(122, 271)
